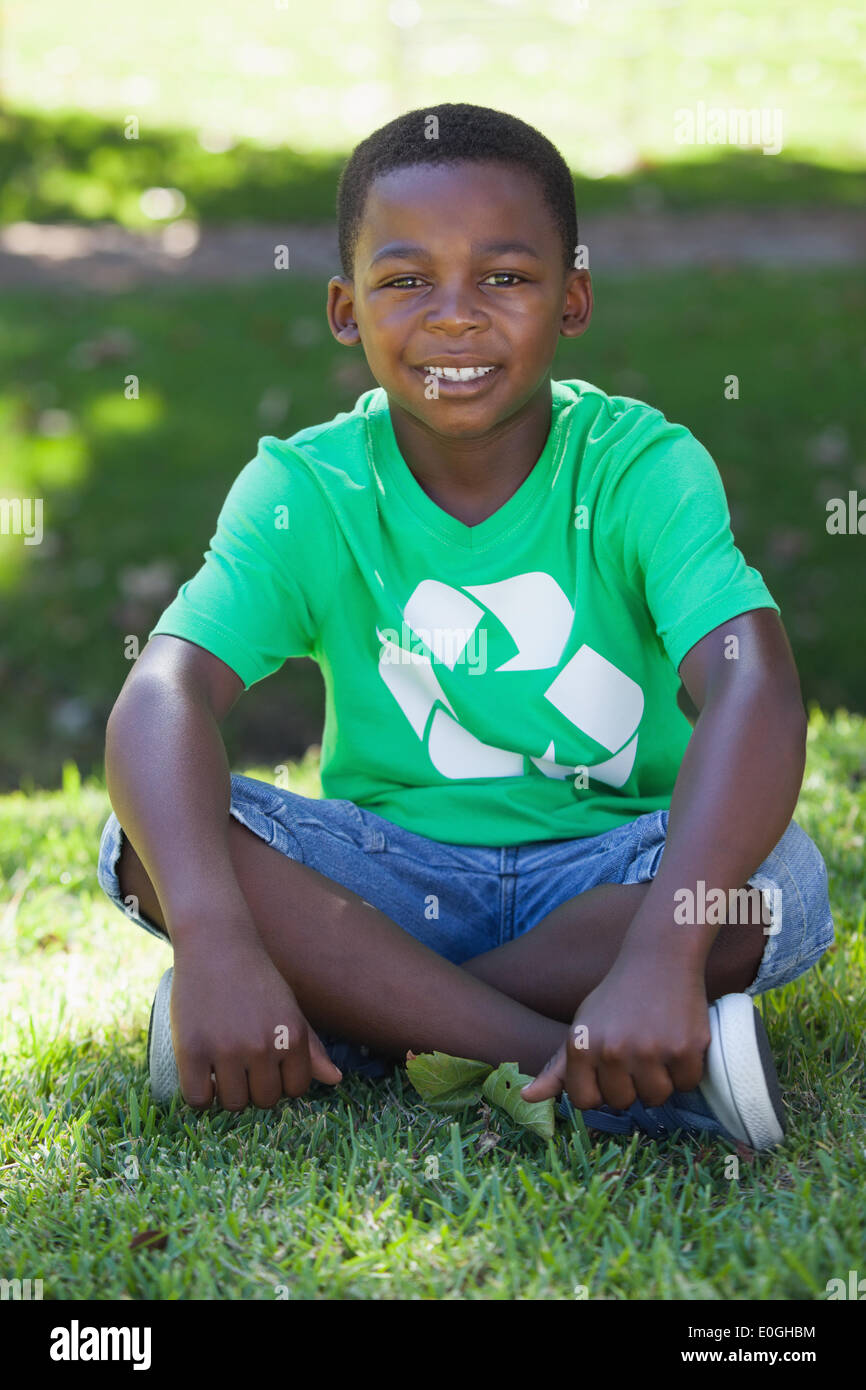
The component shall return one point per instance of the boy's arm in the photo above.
(168, 781)
(648, 1022)
(168, 776)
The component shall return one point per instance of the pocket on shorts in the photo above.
(383, 836)
(296, 823)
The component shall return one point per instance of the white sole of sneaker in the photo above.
(739, 1082)
(164, 1080)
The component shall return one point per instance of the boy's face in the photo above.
(460, 291)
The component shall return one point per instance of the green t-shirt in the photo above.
(472, 672)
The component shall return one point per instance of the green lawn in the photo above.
(336, 1195)
(78, 167)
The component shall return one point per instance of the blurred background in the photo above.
(150, 163)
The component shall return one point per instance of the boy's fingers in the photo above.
(686, 1073)
(654, 1084)
(616, 1087)
(581, 1082)
(549, 1081)
(542, 1088)
(196, 1082)
(265, 1083)
(233, 1091)
(295, 1069)
(322, 1066)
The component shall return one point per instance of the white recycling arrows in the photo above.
(594, 695)
(455, 752)
(598, 697)
(535, 612)
(443, 618)
(413, 683)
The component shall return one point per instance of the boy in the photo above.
(504, 579)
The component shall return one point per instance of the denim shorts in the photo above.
(487, 895)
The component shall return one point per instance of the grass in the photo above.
(132, 488)
(78, 167)
(363, 1192)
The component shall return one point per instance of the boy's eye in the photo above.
(399, 283)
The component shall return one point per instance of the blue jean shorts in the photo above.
(484, 896)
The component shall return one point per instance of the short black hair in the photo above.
(465, 132)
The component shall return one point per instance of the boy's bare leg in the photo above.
(359, 976)
(565, 956)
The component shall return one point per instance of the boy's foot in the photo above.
(740, 1084)
(738, 1096)
(164, 1080)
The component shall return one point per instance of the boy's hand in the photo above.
(233, 1014)
(641, 1034)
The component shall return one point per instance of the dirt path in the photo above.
(107, 258)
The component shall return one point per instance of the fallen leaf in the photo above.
(445, 1082)
(502, 1087)
(149, 1240)
(450, 1083)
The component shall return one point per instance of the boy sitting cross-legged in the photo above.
(507, 581)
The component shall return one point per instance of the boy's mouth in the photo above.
(461, 380)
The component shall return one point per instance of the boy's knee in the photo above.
(135, 883)
(125, 869)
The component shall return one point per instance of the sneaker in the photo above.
(164, 1080)
(738, 1096)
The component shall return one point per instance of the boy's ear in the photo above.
(341, 310)
(577, 312)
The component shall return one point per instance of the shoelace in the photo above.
(657, 1121)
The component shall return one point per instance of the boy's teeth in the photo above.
(459, 373)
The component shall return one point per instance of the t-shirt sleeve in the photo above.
(678, 544)
(268, 574)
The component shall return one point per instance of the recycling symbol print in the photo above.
(595, 696)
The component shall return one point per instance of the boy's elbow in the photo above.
(763, 696)
(780, 711)
(800, 721)
(785, 700)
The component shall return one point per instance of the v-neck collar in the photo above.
(386, 453)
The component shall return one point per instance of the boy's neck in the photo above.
(472, 478)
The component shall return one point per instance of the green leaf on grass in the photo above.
(449, 1083)
(455, 1100)
(444, 1082)
(502, 1087)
